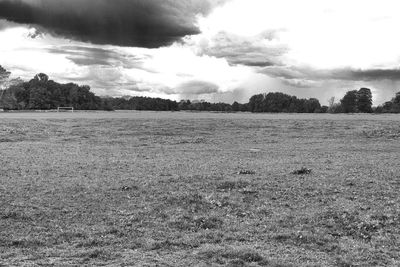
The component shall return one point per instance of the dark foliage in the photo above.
(280, 102)
(206, 106)
(349, 102)
(364, 100)
(42, 93)
(357, 101)
(140, 103)
(392, 106)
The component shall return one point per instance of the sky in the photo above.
(213, 50)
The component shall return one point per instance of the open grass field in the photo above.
(199, 189)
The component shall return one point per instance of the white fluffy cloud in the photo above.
(324, 34)
(346, 43)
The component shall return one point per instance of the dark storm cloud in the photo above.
(139, 23)
(196, 88)
(254, 51)
(346, 74)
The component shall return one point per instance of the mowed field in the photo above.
(199, 189)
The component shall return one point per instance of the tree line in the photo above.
(45, 94)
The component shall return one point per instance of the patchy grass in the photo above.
(199, 189)
(230, 255)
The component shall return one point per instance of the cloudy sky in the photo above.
(217, 50)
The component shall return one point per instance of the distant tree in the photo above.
(277, 102)
(41, 77)
(256, 103)
(324, 109)
(349, 102)
(331, 101)
(280, 102)
(235, 106)
(392, 106)
(8, 88)
(4, 77)
(396, 99)
(364, 100)
(332, 106)
(312, 105)
(184, 104)
(336, 108)
(396, 103)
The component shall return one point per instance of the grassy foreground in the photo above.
(199, 189)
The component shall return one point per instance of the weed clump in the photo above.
(208, 222)
(129, 188)
(302, 171)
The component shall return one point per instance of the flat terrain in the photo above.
(199, 189)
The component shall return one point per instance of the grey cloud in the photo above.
(86, 56)
(240, 95)
(255, 51)
(139, 23)
(346, 74)
(85, 61)
(300, 83)
(370, 74)
(107, 80)
(5, 24)
(196, 88)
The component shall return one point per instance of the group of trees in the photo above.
(355, 101)
(392, 106)
(158, 104)
(43, 93)
(139, 103)
(207, 106)
(361, 102)
(280, 102)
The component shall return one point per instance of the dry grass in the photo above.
(199, 189)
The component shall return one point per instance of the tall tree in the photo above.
(312, 105)
(396, 103)
(349, 102)
(331, 102)
(364, 100)
(256, 103)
